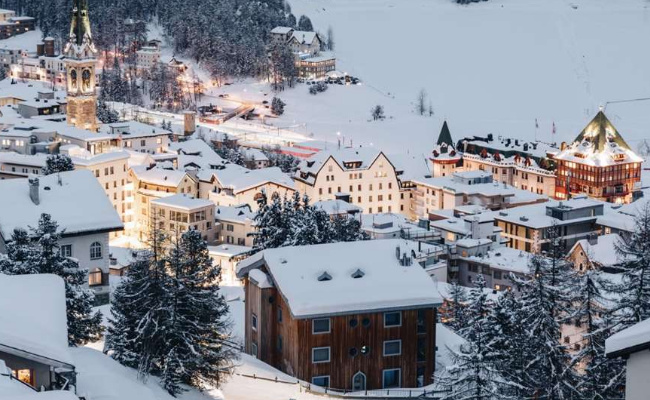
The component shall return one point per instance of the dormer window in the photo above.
(324, 277)
(358, 274)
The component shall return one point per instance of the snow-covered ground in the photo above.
(493, 66)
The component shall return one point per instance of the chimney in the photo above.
(49, 46)
(563, 146)
(40, 49)
(33, 189)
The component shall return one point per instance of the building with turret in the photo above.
(444, 158)
(80, 61)
(599, 163)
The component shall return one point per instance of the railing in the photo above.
(392, 394)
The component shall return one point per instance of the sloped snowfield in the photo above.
(493, 66)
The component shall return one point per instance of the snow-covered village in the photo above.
(324, 199)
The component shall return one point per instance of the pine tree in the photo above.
(304, 24)
(601, 378)
(453, 313)
(122, 338)
(43, 256)
(105, 114)
(56, 163)
(197, 326)
(544, 302)
(633, 294)
(472, 375)
(277, 106)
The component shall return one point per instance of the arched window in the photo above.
(95, 251)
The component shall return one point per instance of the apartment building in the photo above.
(181, 212)
(366, 175)
(349, 316)
(235, 225)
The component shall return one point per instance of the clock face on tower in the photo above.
(73, 79)
(85, 80)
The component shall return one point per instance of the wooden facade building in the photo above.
(315, 325)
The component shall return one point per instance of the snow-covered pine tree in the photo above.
(348, 230)
(20, 252)
(544, 302)
(277, 106)
(106, 114)
(472, 375)
(633, 293)
(123, 337)
(272, 230)
(506, 339)
(453, 312)
(194, 353)
(601, 378)
(304, 24)
(38, 253)
(57, 163)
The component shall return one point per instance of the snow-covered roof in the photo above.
(74, 199)
(228, 250)
(26, 41)
(36, 160)
(39, 326)
(304, 37)
(447, 341)
(535, 215)
(630, 340)
(132, 129)
(599, 144)
(237, 214)
(182, 201)
(336, 207)
(320, 57)
(283, 30)
(349, 159)
(253, 154)
(239, 179)
(301, 275)
(603, 251)
(83, 157)
(159, 176)
(260, 279)
(25, 90)
(504, 259)
(411, 166)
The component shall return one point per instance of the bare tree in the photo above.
(330, 39)
(421, 102)
(378, 112)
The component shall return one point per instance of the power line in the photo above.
(626, 101)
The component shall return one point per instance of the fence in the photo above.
(386, 394)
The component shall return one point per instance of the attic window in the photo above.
(324, 277)
(358, 274)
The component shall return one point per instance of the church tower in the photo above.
(80, 61)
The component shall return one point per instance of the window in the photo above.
(254, 321)
(320, 355)
(254, 349)
(279, 314)
(24, 375)
(321, 325)
(66, 250)
(143, 143)
(279, 344)
(230, 227)
(422, 319)
(391, 378)
(323, 381)
(95, 251)
(392, 348)
(392, 319)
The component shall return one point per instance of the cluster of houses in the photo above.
(12, 25)
(353, 316)
(307, 46)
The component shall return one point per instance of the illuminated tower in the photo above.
(80, 61)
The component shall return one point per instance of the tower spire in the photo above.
(80, 23)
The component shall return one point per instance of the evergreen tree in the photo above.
(601, 378)
(277, 106)
(56, 163)
(197, 325)
(377, 112)
(544, 302)
(43, 256)
(106, 114)
(453, 312)
(330, 39)
(3, 73)
(122, 338)
(633, 293)
(472, 375)
(304, 24)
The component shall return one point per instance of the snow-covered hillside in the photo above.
(492, 66)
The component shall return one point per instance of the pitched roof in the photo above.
(600, 131)
(323, 279)
(445, 135)
(74, 199)
(38, 328)
(630, 340)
